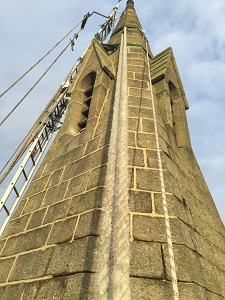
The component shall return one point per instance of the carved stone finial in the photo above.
(130, 2)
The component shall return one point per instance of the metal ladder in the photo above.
(38, 142)
(46, 125)
(30, 161)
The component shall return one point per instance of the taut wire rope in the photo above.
(113, 282)
(43, 57)
(26, 141)
(82, 22)
(40, 78)
(163, 192)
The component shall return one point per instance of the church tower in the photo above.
(119, 208)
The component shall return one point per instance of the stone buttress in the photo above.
(49, 249)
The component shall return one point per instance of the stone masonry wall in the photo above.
(49, 249)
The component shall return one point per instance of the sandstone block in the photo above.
(62, 231)
(146, 260)
(31, 265)
(86, 201)
(88, 225)
(28, 241)
(64, 262)
(5, 267)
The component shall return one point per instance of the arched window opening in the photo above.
(87, 87)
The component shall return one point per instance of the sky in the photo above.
(194, 29)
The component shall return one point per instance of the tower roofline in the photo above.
(130, 3)
(130, 20)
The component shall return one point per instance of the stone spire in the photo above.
(130, 3)
(130, 20)
(57, 223)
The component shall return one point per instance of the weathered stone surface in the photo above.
(134, 124)
(64, 159)
(80, 286)
(68, 189)
(146, 289)
(28, 241)
(136, 157)
(20, 208)
(30, 290)
(36, 218)
(175, 206)
(37, 186)
(102, 127)
(213, 296)
(62, 231)
(92, 145)
(152, 229)
(142, 83)
(57, 211)
(208, 249)
(34, 203)
(31, 265)
(146, 260)
(88, 224)
(140, 202)
(105, 138)
(45, 289)
(187, 263)
(221, 276)
(86, 163)
(191, 291)
(148, 125)
(139, 101)
(138, 92)
(135, 62)
(13, 292)
(5, 267)
(131, 139)
(86, 201)
(55, 194)
(64, 262)
(77, 185)
(148, 180)
(211, 276)
(2, 244)
(137, 112)
(146, 141)
(97, 177)
(141, 76)
(54, 178)
(16, 226)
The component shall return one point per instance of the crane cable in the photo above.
(83, 23)
(9, 114)
(25, 143)
(32, 130)
(43, 57)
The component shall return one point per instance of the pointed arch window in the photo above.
(87, 87)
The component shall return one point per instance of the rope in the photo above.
(27, 140)
(39, 122)
(82, 22)
(43, 57)
(163, 191)
(9, 114)
(114, 261)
